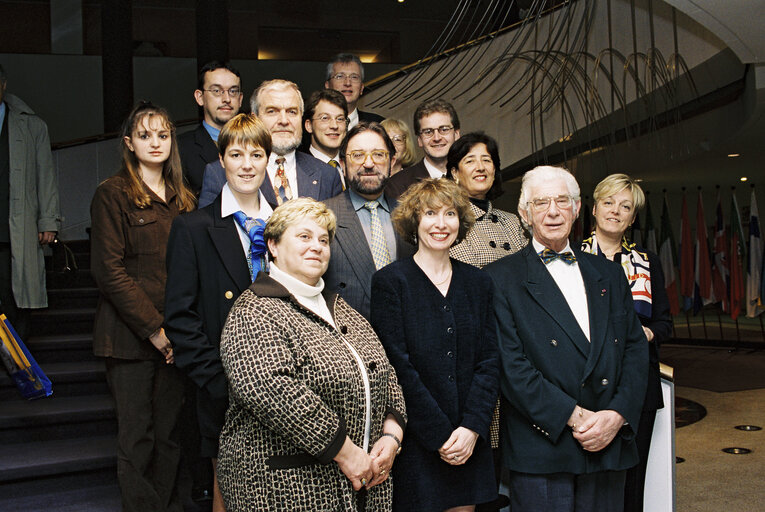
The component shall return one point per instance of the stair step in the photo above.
(63, 321)
(82, 491)
(68, 378)
(56, 417)
(67, 298)
(22, 461)
(61, 348)
(80, 279)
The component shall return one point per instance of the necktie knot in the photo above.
(334, 163)
(371, 205)
(549, 255)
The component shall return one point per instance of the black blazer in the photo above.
(206, 272)
(370, 117)
(402, 180)
(351, 265)
(548, 366)
(197, 150)
(315, 179)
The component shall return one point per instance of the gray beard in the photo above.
(283, 149)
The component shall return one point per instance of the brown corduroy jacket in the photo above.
(128, 246)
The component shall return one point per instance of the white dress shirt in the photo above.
(353, 118)
(290, 169)
(229, 206)
(569, 279)
(324, 158)
(434, 171)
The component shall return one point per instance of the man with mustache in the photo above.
(290, 173)
(365, 240)
(219, 93)
(437, 127)
(326, 121)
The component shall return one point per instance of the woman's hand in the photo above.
(459, 447)
(356, 465)
(161, 343)
(383, 453)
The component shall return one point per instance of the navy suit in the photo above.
(548, 366)
(206, 272)
(197, 149)
(351, 265)
(314, 179)
(402, 180)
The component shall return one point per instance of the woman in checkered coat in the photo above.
(316, 415)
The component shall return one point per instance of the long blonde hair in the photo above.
(172, 172)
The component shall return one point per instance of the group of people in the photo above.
(359, 339)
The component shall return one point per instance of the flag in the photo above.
(649, 237)
(667, 257)
(720, 258)
(754, 267)
(702, 291)
(686, 257)
(737, 252)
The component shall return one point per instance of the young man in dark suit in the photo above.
(219, 93)
(367, 154)
(290, 173)
(574, 360)
(437, 126)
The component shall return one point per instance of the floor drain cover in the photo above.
(737, 451)
(748, 428)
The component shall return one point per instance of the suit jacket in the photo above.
(197, 149)
(402, 180)
(314, 178)
(206, 272)
(370, 117)
(548, 366)
(351, 265)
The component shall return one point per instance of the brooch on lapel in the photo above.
(603, 292)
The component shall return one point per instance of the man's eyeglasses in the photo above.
(542, 204)
(379, 156)
(326, 118)
(353, 77)
(427, 133)
(218, 92)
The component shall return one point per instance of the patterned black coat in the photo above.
(495, 234)
(295, 392)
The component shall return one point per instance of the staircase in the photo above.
(58, 454)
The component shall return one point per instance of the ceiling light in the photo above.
(401, 1)
(743, 178)
(733, 155)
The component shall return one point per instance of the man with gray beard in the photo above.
(365, 240)
(289, 174)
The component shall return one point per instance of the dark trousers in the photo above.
(565, 492)
(148, 397)
(635, 483)
(19, 317)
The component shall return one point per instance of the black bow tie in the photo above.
(549, 255)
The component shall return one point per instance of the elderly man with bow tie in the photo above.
(574, 360)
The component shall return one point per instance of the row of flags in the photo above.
(728, 269)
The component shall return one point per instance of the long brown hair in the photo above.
(172, 171)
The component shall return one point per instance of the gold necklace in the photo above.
(448, 275)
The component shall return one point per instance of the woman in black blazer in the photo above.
(434, 317)
(618, 198)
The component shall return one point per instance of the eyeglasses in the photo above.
(379, 156)
(542, 204)
(398, 139)
(353, 77)
(218, 92)
(427, 133)
(326, 118)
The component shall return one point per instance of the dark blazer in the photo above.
(206, 272)
(548, 366)
(197, 149)
(402, 180)
(351, 265)
(370, 117)
(315, 179)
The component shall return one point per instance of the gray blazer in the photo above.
(351, 265)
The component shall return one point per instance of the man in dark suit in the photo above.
(290, 173)
(345, 74)
(365, 240)
(326, 121)
(209, 258)
(437, 127)
(574, 360)
(219, 93)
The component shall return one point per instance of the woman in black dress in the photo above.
(434, 317)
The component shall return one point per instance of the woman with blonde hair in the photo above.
(399, 133)
(131, 215)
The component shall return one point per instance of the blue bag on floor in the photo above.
(29, 378)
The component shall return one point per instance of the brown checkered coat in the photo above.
(295, 392)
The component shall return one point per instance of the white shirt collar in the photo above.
(321, 156)
(229, 205)
(434, 171)
(353, 118)
(538, 247)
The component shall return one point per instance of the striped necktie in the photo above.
(282, 186)
(380, 253)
